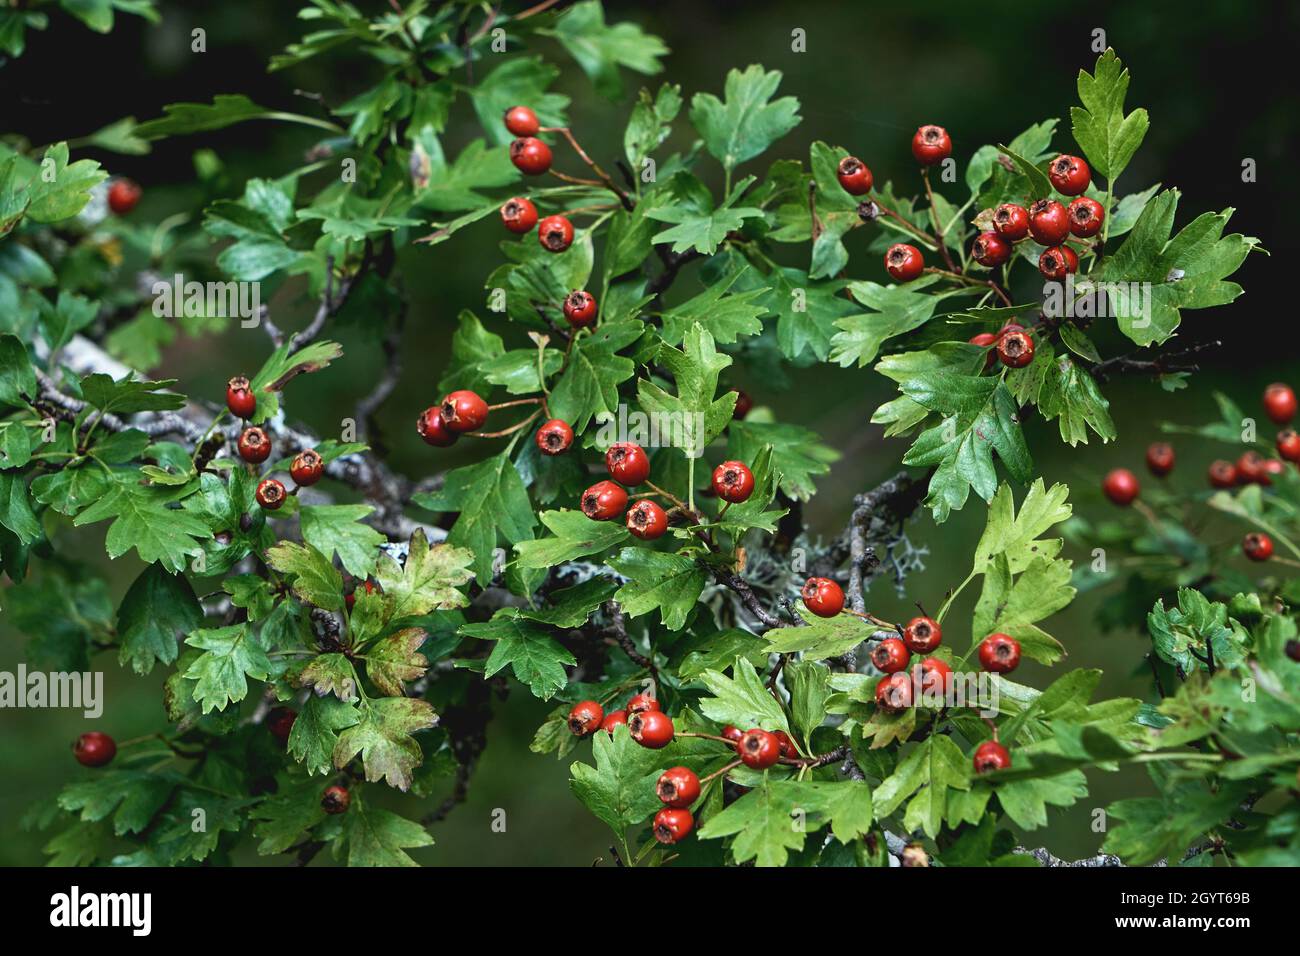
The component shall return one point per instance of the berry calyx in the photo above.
(335, 800)
(999, 653)
(890, 656)
(270, 494)
(1280, 403)
(733, 481)
(1058, 262)
(254, 446)
(894, 693)
(433, 428)
(555, 233)
(1121, 486)
(1069, 175)
(279, 721)
(615, 718)
(646, 520)
(123, 194)
(931, 144)
(673, 824)
(854, 176)
(1160, 458)
(580, 308)
(530, 155)
(990, 756)
(239, 397)
(651, 728)
(1011, 221)
(935, 676)
(904, 262)
(744, 403)
(1015, 349)
(519, 215)
(94, 749)
(603, 500)
(555, 437)
(522, 121)
(1086, 217)
(585, 718)
(463, 411)
(732, 733)
(990, 249)
(1222, 474)
(758, 749)
(307, 467)
(642, 702)
(1257, 546)
(922, 635)
(627, 463)
(678, 787)
(1288, 444)
(823, 597)
(1049, 223)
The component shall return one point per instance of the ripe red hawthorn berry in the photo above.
(1257, 546)
(891, 656)
(651, 728)
(1058, 262)
(758, 749)
(307, 467)
(1279, 403)
(603, 501)
(1288, 444)
(743, 404)
(732, 733)
(986, 340)
(733, 481)
(522, 121)
(1293, 652)
(931, 144)
(642, 702)
(1121, 486)
(555, 233)
(1015, 349)
(823, 597)
(270, 494)
(627, 463)
(463, 411)
(646, 520)
(1011, 221)
(678, 787)
(280, 722)
(123, 194)
(519, 215)
(990, 249)
(1049, 223)
(94, 749)
(999, 653)
(894, 693)
(580, 308)
(935, 676)
(1069, 175)
(1160, 458)
(335, 800)
(788, 749)
(904, 262)
(854, 176)
(990, 756)
(673, 824)
(585, 718)
(1251, 468)
(530, 155)
(614, 718)
(555, 437)
(1086, 217)
(1222, 474)
(239, 397)
(433, 429)
(254, 446)
(922, 635)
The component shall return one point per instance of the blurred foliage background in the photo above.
(873, 73)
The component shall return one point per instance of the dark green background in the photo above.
(873, 73)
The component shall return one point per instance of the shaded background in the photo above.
(872, 74)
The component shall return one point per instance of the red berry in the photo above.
(270, 494)
(935, 676)
(433, 429)
(758, 749)
(1279, 403)
(990, 249)
(854, 176)
(615, 718)
(239, 397)
(1288, 444)
(678, 787)
(530, 155)
(1058, 262)
(823, 597)
(307, 467)
(254, 446)
(651, 728)
(931, 145)
(1251, 469)
(627, 463)
(463, 411)
(280, 722)
(673, 824)
(990, 756)
(1069, 175)
(519, 215)
(984, 340)
(922, 635)
(350, 599)
(1121, 486)
(904, 262)
(1015, 349)
(891, 656)
(743, 404)
(555, 233)
(522, 121)
(1049, 223)
(788, 749)
(585, 718)
(1272, 468)
(1086, 217)
(1011, 221)
(733, 481)
(646, 520)
(732, 733)
(580, 309)
(894, 693)
(123, 194)
(642, 702)
(1257, 546)
(94, 749)
(1160, 458)
(335, 800)
(603, 500)
(999, 653)
(1222, 474)
(555, 437)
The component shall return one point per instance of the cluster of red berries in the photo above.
(1047, 222)
(459, 412)
(532, 157)
(254, 446)
(1012, 345)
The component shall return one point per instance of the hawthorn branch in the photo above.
(1161, 364)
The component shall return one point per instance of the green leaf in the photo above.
(330, 674)
(132, 797)
(1018, 536)
(765, 822)
(1039, 185)
(143, 520)
(572, 607)
(589, 385)
(620, 789)
(809, 685)
(1015, 608)
(533, 655)
(282, 367)
(338, 529)
(315, 732)
(701, 229)
(158, 609)
(797, 453)
(698, 417)
(377, 837)
(819, 637)
(650, 123)
(225, 110)
(933, 769)
(574, 535)
(393, 661)
(128, 396)
(748, 121)
(1196, 625)
(383, 739)
(725, 317)
(62, 189)
(315, 579)
(231, 656)
(17, 377)
(670, 583)
(743, 700)
(284, 818)
(1108, 137)
(601, 49)
(15, 510)
(430, 579)
(896, 310)
(522, 79)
